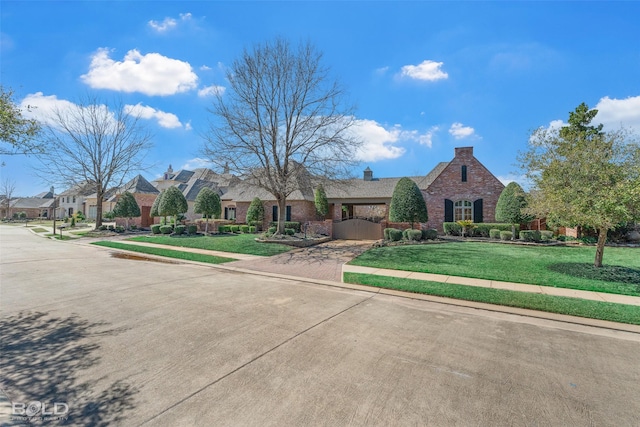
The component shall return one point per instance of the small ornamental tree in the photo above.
(255, 213)
(154, 208)
(208, 204)
(407, 203)
(511, 206)
(321, 202)
(173, 203)
(126, 207)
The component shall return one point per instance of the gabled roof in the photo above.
(139, 185)
(80, 189)
(31, 203)
(194, 186)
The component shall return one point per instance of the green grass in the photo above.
(556, 266)
(40, 230)
(240, 243)
(188, 256)
(80, 233)
(553, 304)
(58, 237)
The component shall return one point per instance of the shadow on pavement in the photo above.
(42, 359)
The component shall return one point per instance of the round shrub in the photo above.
(430, 234)
(395, 234)
(414, 235)
(119, 229)
(289, 231)
(244, 228)
(180, 229)
(271, 230)
(155, 228)
(166, 229)
(234, 228)
(386, 233)
(223, 229)
(252, 229)
(494, 233)
(530, 235)
(192, 229)
(506, 235)
(546, 235)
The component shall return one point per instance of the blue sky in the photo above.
(426, 76)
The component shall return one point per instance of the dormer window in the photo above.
(464, 173)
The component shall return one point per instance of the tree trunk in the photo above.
(282, 215)
(513, 231)
(206, 225)
(602, 239)
(98, 208)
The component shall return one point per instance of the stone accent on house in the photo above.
(480, 184)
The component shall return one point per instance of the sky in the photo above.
(425, 77)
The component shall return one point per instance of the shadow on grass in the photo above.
(43, 359)
(606, 273)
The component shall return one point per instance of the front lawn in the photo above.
(556, 266)
(235, 243)
(187, 256)
(553, 304)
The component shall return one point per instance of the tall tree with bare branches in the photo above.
(284, 119)
(7, 188)
(93, 142)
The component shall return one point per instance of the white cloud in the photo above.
(616, 113)
(44, 109)
(165, 120)
(150, 74)
(381, 71)
(195, 163)
(168, 23)
(211, 91)
(427, 138)
(427, 70)
(378, 142)
(205, 68)
(459, 131)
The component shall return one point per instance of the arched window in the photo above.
(462, 210)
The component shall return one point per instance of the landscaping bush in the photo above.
(244, 228)
(413, 235)
(385, 233)
(104, 227)
(166, 229)
(252, 229)
(223, 229)
(452, 229)
(405, 236)
(546, 235)
(133, 227)
(180, 229)
(395, 234)
(483, 229)
(506, 235)
(430, 234)
(119, 229)
(234, 228)
(494, 233)
(192, 229)
(288, 224)
(530, 235)
(271, 230)
(289, 231)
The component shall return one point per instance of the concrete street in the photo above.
(133, 342)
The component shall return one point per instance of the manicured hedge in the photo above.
(180, 229)
(530, 235)
(413, 235)
(289, 231)
(395, 234)
(546, 235)
(155, 228)
(192, 229)
(166, 229)
(288, 224)
(482, 229)
(430, 234)
(244, 228)
(506, 235)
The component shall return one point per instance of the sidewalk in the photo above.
(494, 284)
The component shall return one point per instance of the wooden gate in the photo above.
(357, 229)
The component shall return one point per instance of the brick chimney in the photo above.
(368, 174)
(466, 152)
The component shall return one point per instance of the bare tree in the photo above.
(89, 142)
(7, 189)
(282, 121)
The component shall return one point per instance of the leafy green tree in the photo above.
(208, 204)
(156, 203)
(584, 176)
(126, 207)
(321, 202)
(511, 206)
(17, 134)
(255, 213)
(173, 203)
(407, 203)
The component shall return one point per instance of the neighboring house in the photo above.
(144, 193)
(40, 206)
(73, 200)
(191, 182)
(459, 189)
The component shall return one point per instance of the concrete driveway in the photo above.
(125, 342)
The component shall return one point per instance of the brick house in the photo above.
(144, 193)
(462, 188)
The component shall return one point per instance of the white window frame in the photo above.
(463, 210)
